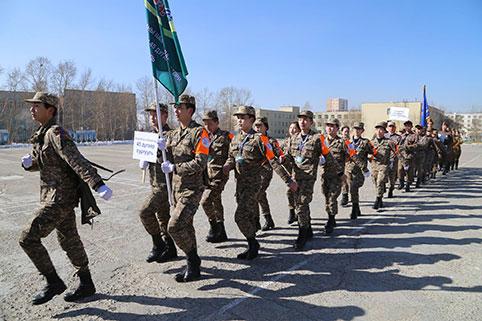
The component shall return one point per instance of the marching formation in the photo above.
(197, 161)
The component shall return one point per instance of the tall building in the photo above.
(279, 120)
(470, 125)
(336, 104)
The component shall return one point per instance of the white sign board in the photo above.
(398, 113)
(145, 146)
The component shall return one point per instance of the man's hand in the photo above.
(293, 186)
(105, 192)
(27, 161)
(161, 144)
(167, 167)
(143, 164)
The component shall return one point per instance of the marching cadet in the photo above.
(331, 181)
(218, 154)
(248, 150)
(457, 148)
(356, 169)
(345, 134)
(420, 155)
(261, 126)
(407, 148)
(307, 151)
(154, 213)
(382, 147)
(439, 156)
(445, 137)
(393, 165)
(430, 155)
(62, 168)
(292, 131)
(189, 147)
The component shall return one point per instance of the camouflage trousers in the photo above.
(345, 185)
(331, 187)
(154, 213)
(303, 198)
(380, 177)
(48, 218)
(266, 177)
(291, 199)
(247, 211)
(420, 166)
(212, 203)
(393, 173)
(409, 172)
(180, 226)
(355, 181)
(429, 160)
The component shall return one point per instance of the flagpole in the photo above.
(163, 152)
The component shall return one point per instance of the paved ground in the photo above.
(419, 259)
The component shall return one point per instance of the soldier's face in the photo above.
(392, 129)
(305, 123)
(331, 129)
(380, 132)
(358, 132)
(153, 118)
(346, 132)
(418, 130)
(210, 125)
(40, 113)
(408, 128)
(293, 130)
(183, 114)
(260, 128)
(245, 122)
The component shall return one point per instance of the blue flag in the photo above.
(425, 111)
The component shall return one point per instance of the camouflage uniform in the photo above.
(457, 148)
(357, 165)
(382, 148)
(62, 168)
(420, 157)
(218, 154)
(393, 165)
(430, 156)
(447, 142)
(406, 167)
(189, 148)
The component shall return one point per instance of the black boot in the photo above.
(54, 286)
(193, 268)
(417, 184)
(310, 233)
(251, 252)
(170, 253)
(401, 185)
(390, 192)
(376, 205)
(344, 199)
(380, 202)
(158, 246)
(221, 235)
(213, 231)
(407, 187)
(85, 289)
(269, 224)
(330, 225)
(302, 238)
(292, 216)
(355, 211)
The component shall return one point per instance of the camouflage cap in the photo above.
(210, 115)
(152, 107)
(306, 113)
(245, 110)
(43, 97)
(359, 125)
(262, 120)
(186, 99)
(333, 121)
(391, 123)
(408, 122)
(419, 126)
(381, 124)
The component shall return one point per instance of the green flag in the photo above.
(168, 64)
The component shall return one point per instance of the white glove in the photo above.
(322, 160)
(105, 192)
(161, 144)
(27, 161)
(143, 164)
(366, 174)
(167, 167)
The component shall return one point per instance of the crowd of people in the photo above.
(197, 159)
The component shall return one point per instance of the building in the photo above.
(373, 113)
(346, 118)
(112, 115)
(279, 120)
(336, 104)
(469, 124)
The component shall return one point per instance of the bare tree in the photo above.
(63, 76)
(229, 98)
(204, 101)
(16, 80)
(85, 80)
(38, 72)
(145, 96)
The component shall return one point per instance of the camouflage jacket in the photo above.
(422, 145)
(157, 177)
(218, 154)
(304, 154)
(247, 153)
(363, 148)
(338, 149)
(396, 139)
(61, 166)
(408, 145)
(382, 147)
(189, 148)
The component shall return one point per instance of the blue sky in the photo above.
(285, 52)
